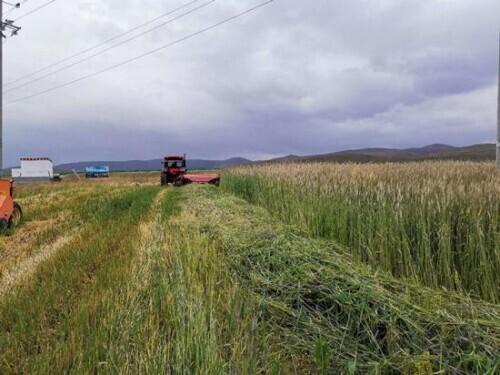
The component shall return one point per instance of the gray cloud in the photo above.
(294, 77)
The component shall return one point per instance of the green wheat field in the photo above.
(295, 268)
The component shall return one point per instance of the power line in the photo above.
(113, 46)
(170, 12)
(138, 57)
(35, 10)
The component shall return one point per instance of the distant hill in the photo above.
(286, 158)
(150, 165)
(481, 152)
(432, 149)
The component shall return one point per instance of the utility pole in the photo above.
(1, 86)
(7, 24)
(498, 107)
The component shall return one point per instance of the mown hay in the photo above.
(312, 292)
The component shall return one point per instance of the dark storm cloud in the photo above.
(294, 77)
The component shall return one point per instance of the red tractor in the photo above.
(10, 212)
(175, 172)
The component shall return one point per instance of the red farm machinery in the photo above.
(175, 172)
(10, 211)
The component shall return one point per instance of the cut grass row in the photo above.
(40, 321)
(435, 222)
(323, 312)
(48, 217)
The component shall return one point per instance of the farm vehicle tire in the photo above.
(17, 216)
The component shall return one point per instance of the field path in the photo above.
(131, 313)
(152, 239)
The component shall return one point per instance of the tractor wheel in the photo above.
(163, 180)
(179, 182)
(4, 225)
(17, 216)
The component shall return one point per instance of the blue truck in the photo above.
(97, 171)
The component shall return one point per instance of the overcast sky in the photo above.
(293, 77)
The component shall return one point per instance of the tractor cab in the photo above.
(173, 168)
(175, 172)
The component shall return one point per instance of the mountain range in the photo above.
(479, 152)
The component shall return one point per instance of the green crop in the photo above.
(435, 222)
